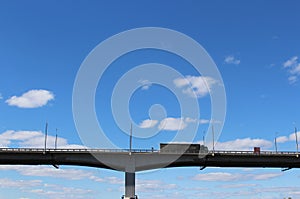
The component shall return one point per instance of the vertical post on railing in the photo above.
(203, 138)
(297, 146)
(130, 140)
(213, 135)
(276, 142)
(55, 145)
(46, 132)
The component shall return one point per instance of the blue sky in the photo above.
(254, 44)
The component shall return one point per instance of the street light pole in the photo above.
(46, 132)
(203, 138)
(213, 135)
(130, 140)
(276, 142)
(56, 139)
(297, 146)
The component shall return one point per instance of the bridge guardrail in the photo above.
(76, 150)
(140, 151)
(251, 152)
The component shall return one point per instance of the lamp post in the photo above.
(203, 138)
(55, 144)
(213, 136)
(276, 142)
(297, 146)
(46, 132)
(130, 140)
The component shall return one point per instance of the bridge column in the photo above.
(129, 185)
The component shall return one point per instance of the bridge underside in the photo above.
(139, 161)
(134, 162)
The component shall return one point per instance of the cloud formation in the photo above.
(148, 123)
(31, 99)
(176, 124)
(151, 186)
(291, 137)
(292, 65)
(224, 176)
(146, 84)
(44, 189)
(171, 123)
(245, 144)
(32, 139)
(195, 86)
(46, 171)
(232, 60)
(4, 183)
(60, 192)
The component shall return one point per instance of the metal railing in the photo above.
(258, 153)
(88, 150)
(77, 150)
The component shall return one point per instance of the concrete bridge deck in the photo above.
(143, 159)
(132, 161)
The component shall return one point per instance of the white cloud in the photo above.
(172, 124)
(4, 183)
(265, 176)
(192, 120)
(31, 99)
(1, 97)
(291, 137)
(296, 70)
(38, 187)
(232, 60)
(47, 171)
(237, 186)
(293, 68)
(243, 144)
(282, 139)
(71, 174)
(33, 139)
(146, 84)
(286, 190)
(247, 144)
(151, 186)
(195, 86)
(292, 79)
(60, 192)
(217, 176)
(46, 190)
(114, 180)
(148, 123)
(225, 177)
(291, 62)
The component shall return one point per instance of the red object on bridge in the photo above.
(257, 150)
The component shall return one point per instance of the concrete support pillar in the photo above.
(129, 185)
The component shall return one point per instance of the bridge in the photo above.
(131, 161)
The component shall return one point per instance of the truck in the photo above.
(182, 148)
